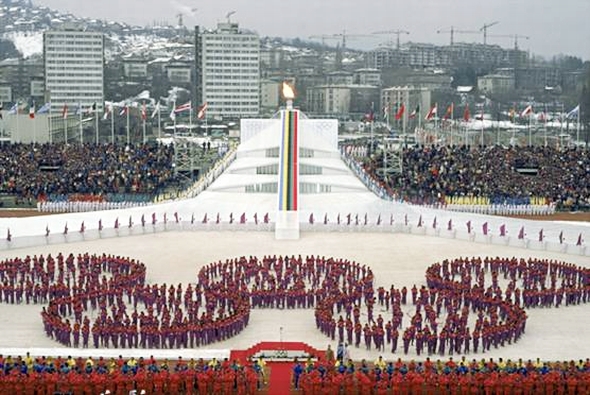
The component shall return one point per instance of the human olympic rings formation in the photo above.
(104, 301)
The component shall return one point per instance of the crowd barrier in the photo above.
(512, 233)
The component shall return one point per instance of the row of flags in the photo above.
(433, 112)
(109, 109)
(485, 226)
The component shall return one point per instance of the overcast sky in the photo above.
(554, 27)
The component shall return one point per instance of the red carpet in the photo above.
(280, 378)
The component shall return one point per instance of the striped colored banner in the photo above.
(289, 161)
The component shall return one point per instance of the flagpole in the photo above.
(17, 128)
(481, 137)
(127, 108)
(96, 123)
(112, 124)
(578, 128)
(49, 122)
(34, 126)
(81, 129)
(452, 119)
(159, 122)
(545, 124)
(530, 130)
(66, 127)
(144, 116)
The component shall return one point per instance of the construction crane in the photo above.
(338, 36)
(394, 32)
(452, 31)
(484, 29)
(228, 15)
(515, 37)
(180, 17)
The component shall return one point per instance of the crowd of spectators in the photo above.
(86, 172)
(503, 175)
(485, 376)
(47, 375)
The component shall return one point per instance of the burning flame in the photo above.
(288, 92)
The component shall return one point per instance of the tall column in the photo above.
(287, 221)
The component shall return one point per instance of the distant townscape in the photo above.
(91, 79)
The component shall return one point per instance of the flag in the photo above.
(8, 235)
(243, 218)
(502, 230)
(64, 111)
(124, 110)
(156, 110)
(431, 113)
(266, 218)
(370, 116)
(100, 225)
(143, 112)
(528, 110)
(580, 240)
(450, 110)
(32, 111)
(521, 233)
(66, 229)
(82, 227)
(78, 109)
(450, 225)
(91, 109)
(541, 236)
(400, 112)
(202, 111)
(205, 219)
(466, 114)
(311, 218)
(117, 223)
(468, 226)
(44, 109)
(416, 112)
(561, 237)
(108, 109)
(173, 114)
(14, 109)
(386, 111)
(46, 230)
(484, 228)
(434, 223)
(512, 114)
(179, 109)
(574, 112)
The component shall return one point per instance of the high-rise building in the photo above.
(74, 67)
(228, 71)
